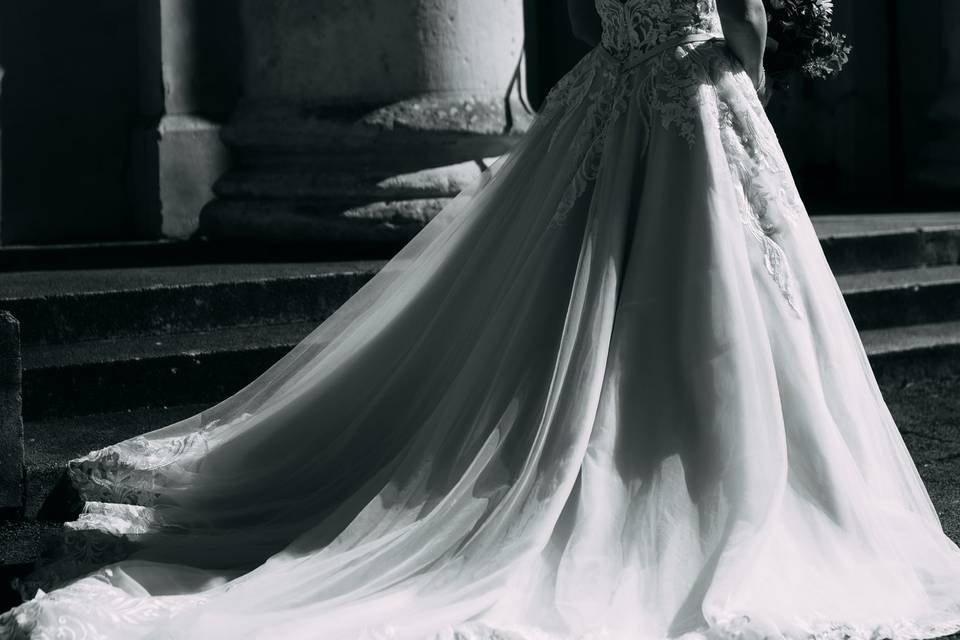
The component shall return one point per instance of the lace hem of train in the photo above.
(682, 88)
(87, 607)
(130, 472)
(70, 615)
(122, 486)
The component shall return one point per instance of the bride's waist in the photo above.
(635, 57)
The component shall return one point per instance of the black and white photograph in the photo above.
(479, 319)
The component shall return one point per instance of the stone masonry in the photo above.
(361, 119)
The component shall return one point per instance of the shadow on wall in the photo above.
(80, 78)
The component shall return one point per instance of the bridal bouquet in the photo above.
(803, 41)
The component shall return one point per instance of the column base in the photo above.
(353, 175)
(173, 168)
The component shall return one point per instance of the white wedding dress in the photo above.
(611, 391)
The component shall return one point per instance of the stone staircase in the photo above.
(110, 353)
(900, 276)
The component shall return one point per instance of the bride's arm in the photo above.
(584, 21)
(745, 30)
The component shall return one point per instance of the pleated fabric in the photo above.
(611, 391)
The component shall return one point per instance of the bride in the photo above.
(611, 391)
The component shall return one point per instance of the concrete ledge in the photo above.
(902, 354)
(902, 297)
(11, 424)
(303, 223)
(127, 372)
(68, 306)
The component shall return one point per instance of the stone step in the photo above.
(67, 306)
(51, 442)
(898, 355)
(852, 242)
(110, 375)
(21, 543)
(902, 297)
(886, 241)
(62, 307)
(173, 252)
(913, 352)
(200, 367)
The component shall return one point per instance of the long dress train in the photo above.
(611, 391)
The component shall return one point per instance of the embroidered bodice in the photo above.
(639, 25)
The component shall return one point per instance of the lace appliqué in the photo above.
(600, 80)
(90, 608)
(100, 536)
(673, 88)
(629, 25)
(670, 83)
(733, 626)
(606, 103)
(769, 203)
(135, 471)
(685, 87)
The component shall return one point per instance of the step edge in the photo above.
(67, 355)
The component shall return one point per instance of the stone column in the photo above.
(361, 118)
(190, 76)
(938, 168)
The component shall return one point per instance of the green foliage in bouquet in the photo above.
(804, 41)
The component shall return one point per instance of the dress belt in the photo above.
(637, 58)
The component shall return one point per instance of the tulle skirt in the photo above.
(611, 391)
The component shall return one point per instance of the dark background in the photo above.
(80, 79)
(856, 143)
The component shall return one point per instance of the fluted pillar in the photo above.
(360, 118)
